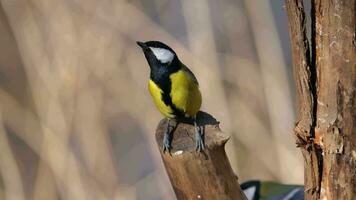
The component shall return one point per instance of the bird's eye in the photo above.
(163, 55)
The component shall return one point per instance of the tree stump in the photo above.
(193, 175)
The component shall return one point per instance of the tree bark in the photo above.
(325, 83)
(193, 175)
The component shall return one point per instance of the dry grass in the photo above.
(77, 121)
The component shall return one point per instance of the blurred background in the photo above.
(76, 118)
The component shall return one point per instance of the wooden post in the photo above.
(205, 175)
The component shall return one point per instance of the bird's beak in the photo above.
(142, 45)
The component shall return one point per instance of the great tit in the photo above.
(268, 190)
(174, 89)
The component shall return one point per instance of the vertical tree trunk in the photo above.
(325, 81)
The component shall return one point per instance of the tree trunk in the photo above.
(324, 73)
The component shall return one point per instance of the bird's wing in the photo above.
(187, 70)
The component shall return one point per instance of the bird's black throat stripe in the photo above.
(160, 76)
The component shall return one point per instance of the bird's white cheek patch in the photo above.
(163, 55)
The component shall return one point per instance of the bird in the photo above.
(269, 190)
(174, 89)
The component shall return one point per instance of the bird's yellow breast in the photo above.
(156, 94)
(184, 95)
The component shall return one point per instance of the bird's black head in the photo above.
(159, 54)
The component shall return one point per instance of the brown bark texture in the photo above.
(193, 175)
(324, 71)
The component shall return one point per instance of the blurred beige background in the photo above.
(77, 121)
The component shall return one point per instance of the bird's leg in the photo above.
(167, 138)
(199, 138)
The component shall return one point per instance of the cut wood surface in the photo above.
(205, 175)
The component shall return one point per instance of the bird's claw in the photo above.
(166, 144)
(199, 142)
